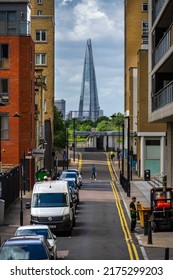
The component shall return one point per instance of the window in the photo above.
(4, 91)
(39, 12)
(40, 59)
(4, 118)
(4, 56)
(39, 2)
(145, 7)
(8, 23)
(145, 32)
(41, 36)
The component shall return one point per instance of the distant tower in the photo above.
(89, 103)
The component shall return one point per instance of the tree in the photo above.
(59, 129)
(118, 119)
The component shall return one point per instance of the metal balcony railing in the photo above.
(163, 46)
(163, 97)
(157, 8)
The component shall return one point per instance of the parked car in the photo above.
(79, 174)
(74, 189)
(71, 175)
(25, 248)
(40, 230)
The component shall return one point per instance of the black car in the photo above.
(25, 248)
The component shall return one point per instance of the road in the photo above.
(102, 227)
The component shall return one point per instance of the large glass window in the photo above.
(41, 35)
(4, 90)
(40, 59)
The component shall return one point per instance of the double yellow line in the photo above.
(128, 238)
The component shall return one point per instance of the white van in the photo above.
(51, 204)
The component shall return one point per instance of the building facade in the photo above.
(60, 105)
(160, 79)
(147, 140)
(17, 87)
(42, 30)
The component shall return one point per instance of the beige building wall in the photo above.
(133, 31)
(136, 85)
(45, 21)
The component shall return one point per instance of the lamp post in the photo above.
(67, 144)
(74, 138)
(128, 155)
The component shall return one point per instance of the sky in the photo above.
(102, 21)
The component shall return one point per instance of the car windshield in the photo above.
(34, 231)
(69, 175)
(69, 170)
(49, 200)
(23, 252)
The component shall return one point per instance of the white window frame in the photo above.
(143, 5)
(144, 28)
(41, 33)
(40, 57)
(39, 2)
(39, 13)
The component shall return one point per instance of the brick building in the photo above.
(17, 87)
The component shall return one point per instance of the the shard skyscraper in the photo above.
(89, 103)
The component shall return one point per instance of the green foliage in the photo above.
(118, 119)
(59, 129)
(100, 119)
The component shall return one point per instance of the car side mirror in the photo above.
(28, 205)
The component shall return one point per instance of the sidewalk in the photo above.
(141, 190)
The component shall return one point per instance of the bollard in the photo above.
(166, 253)
(145, 224)
(149, 233)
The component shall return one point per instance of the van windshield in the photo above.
(49, 200)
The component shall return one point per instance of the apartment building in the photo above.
(42, 30)
(160, 79)
(147, 140)
(17, 87)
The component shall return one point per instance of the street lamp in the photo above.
(74, 138)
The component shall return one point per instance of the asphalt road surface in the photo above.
(99, 232)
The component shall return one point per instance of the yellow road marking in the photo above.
(128, 238)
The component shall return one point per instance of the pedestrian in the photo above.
(93, 172)
(112, 154)
(133, 214)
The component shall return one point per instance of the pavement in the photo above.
(161, 241)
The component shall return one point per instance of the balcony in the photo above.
(163, 46)
(157, 8)
(163, 97)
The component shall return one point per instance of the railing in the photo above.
(163, 97)
(157, 8)
(163, 46)
(10, 184)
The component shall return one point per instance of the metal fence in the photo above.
(10, 186)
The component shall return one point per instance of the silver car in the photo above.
(40, 230)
